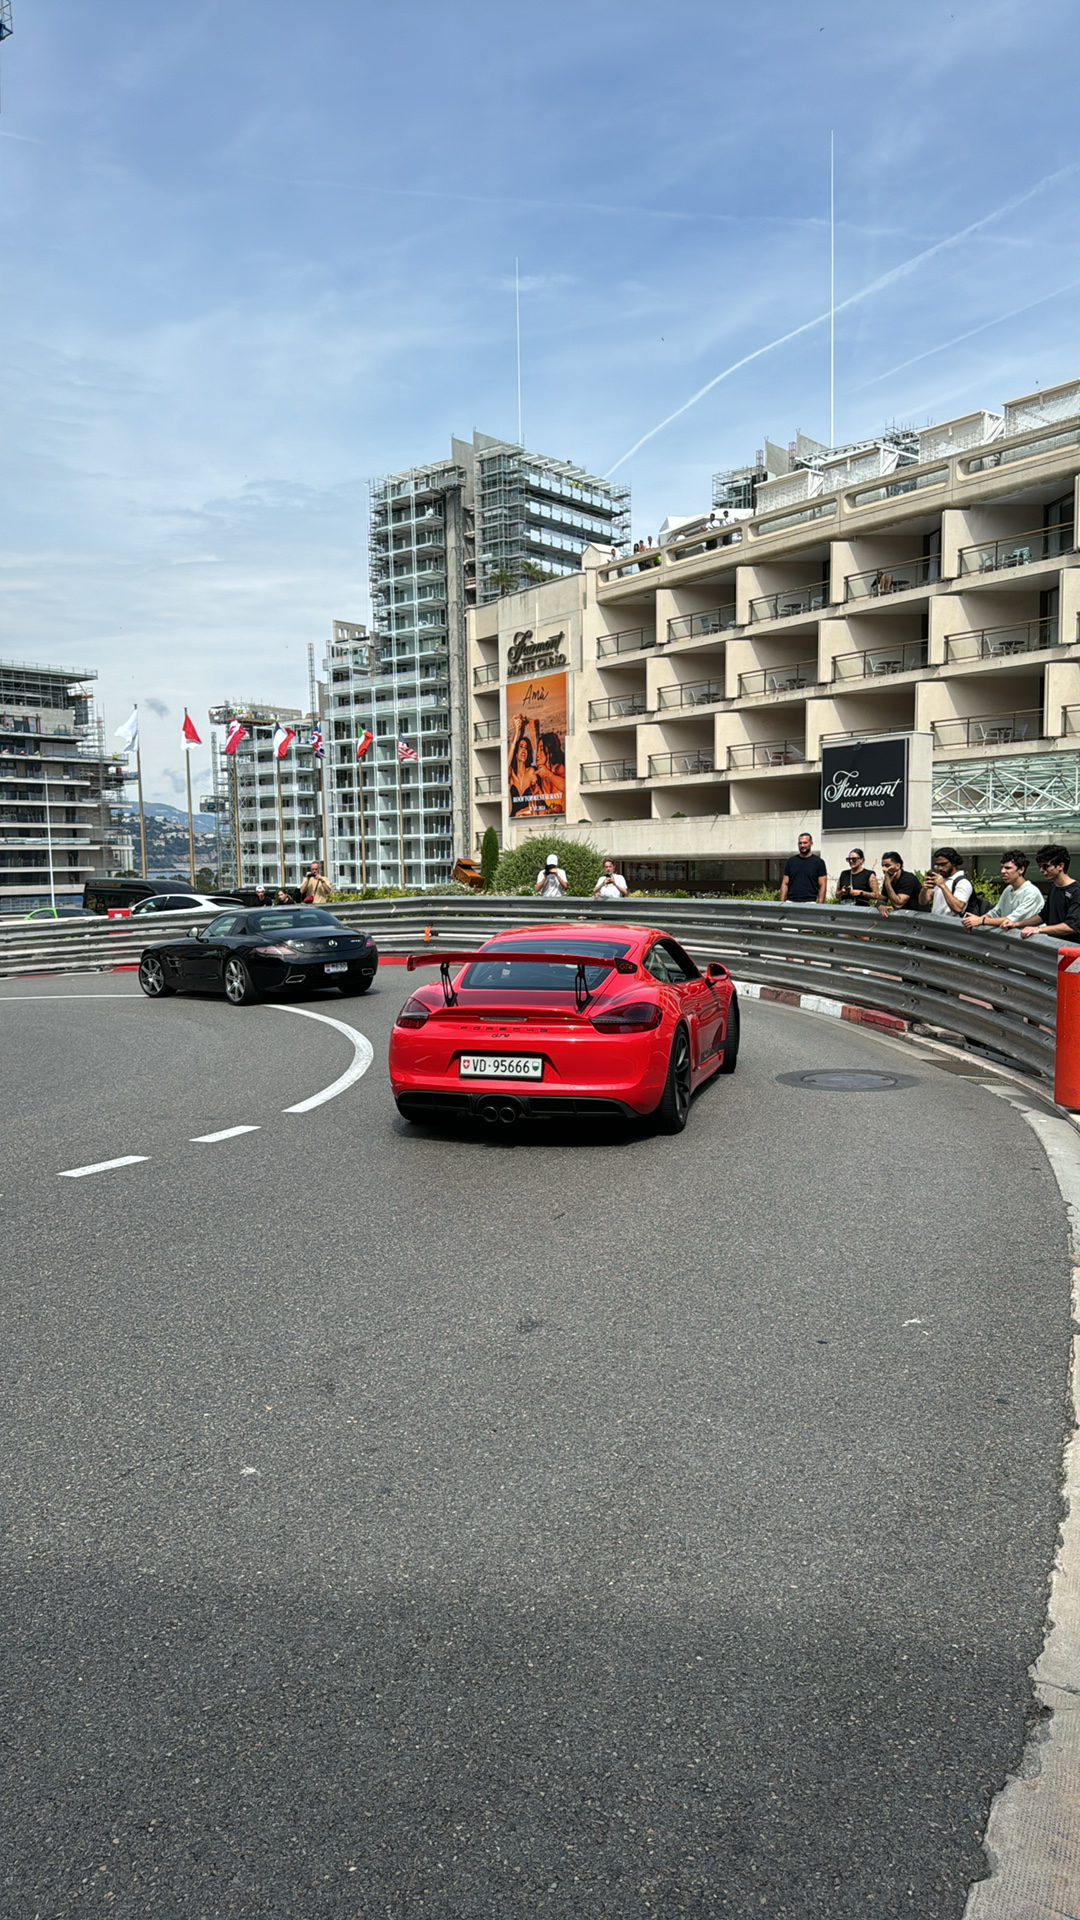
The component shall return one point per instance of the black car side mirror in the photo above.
(716, 971)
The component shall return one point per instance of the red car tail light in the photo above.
(632, 1016)
(414, 1013)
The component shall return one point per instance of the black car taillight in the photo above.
(633, 1016)
(413, 1013)
(275, 953)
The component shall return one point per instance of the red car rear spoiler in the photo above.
(444, 961)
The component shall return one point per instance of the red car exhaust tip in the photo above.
(505, 1113)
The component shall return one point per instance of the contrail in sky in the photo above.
(875, 286)
(998, 321)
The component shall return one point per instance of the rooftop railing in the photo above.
(687, 626)
(765, 753)
(863, 733)
(779, 679)
(780, 606)
(593, 773)
(985, 643)
(692, 693)
(622, 706)
(633, 640)
(663, 765)
(989, 729)
(1016, 550)
(893, 576)
(874, 662)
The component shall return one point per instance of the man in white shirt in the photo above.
(946, 889)
(551, 881)
(1020, 903)
(611, 885)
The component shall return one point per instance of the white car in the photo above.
(184, 903)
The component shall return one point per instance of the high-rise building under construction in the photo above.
(446, 536)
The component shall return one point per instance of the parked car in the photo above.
(55, 913)
(119, 893)
(183, 902)
(244, 954)
(549, 1021)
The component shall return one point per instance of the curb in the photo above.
(819, 1003)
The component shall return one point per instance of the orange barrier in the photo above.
(1067, 1043)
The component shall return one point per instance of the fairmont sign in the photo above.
(528, 655)
(864, 784)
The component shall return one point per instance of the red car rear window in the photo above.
(494, 975)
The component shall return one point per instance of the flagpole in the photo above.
(190, 820)
(400, 824)
(280, 821)
(48, 832)
(236, 818)
(363, 831)
(325, 814)
(142, 815)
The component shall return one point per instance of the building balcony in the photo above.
(779, 606)
(779, 679)
(486, 676)
(688, 626)
(1016, 550)
(899, 576)
(1070, 720)
(663, 766)
(692, 693)
(989, 729)
(485, 730)
(594, 773)
(986, 643)
(622, 706)
(633, 640)
(487, 784)
(874, 662)
(765, 753)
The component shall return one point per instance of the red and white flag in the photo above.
(234, 736)
(191, 738)
(363, 741)
(283, 739)
(405, 752)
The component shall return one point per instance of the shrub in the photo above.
(518, 868)
(489, 857)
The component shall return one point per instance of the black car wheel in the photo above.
(672, 1112)
(152, 978)
(238, 987)
(731, 1040)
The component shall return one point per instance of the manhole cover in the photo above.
(846, 1080)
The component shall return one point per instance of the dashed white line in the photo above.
(227, 1133)
(363, 1055)
(102, 1166)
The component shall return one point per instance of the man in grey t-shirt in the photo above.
(1020, 903)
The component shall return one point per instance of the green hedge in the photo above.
(517, 870)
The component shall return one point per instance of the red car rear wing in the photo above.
(444, 961)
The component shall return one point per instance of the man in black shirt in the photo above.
(899, 888)
(805, 875)
(1061, 914)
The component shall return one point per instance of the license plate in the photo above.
(501, 1066)
(336, 966)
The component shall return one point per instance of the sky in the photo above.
(255, 255)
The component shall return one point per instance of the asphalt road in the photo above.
(410, 1523)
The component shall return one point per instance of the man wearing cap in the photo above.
(551, 881)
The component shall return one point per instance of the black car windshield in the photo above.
(538, 976)
(312, 917)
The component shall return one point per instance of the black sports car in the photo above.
(266, 950)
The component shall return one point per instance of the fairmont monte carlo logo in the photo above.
(526, 655)
(847, 784)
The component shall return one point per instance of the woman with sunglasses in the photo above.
(859, 885)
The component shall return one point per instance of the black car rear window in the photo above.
(539, 976)
(298, 917)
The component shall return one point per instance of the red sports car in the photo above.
(549, 1021)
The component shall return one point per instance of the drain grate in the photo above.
(846, 1080)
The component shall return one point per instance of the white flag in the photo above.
(129, 732)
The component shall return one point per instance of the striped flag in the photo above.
(283, 739)
(235, 734)
(316, 743)
(363, 741)
(190, 738)
(405, 752)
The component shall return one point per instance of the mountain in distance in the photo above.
(176, 816)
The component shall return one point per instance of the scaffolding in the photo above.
(1028, 793)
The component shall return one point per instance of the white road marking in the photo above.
(227, 1133)
(363, 1055)
(69, 996)
(1030, 1839)
(102, 1166)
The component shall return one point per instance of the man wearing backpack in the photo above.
(947, 889)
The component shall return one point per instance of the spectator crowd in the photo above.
(946, 890)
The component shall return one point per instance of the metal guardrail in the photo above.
(996, 990)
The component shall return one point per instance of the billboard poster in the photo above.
(536, 746)
(864, 784)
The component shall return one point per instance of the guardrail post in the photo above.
(1067, 1045)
